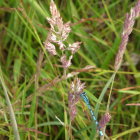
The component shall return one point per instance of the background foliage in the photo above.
(98, 25)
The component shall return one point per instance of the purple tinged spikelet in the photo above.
(128, 27)
(51, 48)
(65, 63)
(74, 47)
(104, 120)
(65, 31)
(77, 87)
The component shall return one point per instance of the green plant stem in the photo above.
(108, 104)
(11, 111)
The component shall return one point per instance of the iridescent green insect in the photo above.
(86, 100)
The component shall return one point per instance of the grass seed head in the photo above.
(128, 27)
(76, 88)
(104, 120)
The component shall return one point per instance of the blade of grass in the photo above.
(103, 93)
(125, 133)
(11, 111)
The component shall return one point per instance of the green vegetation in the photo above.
(29, 73)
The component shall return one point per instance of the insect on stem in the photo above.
(86, 100)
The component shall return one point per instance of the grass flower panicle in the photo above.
(57, 35)
(128, 27)
(74, 95)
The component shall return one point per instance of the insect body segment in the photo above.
(86, 100)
